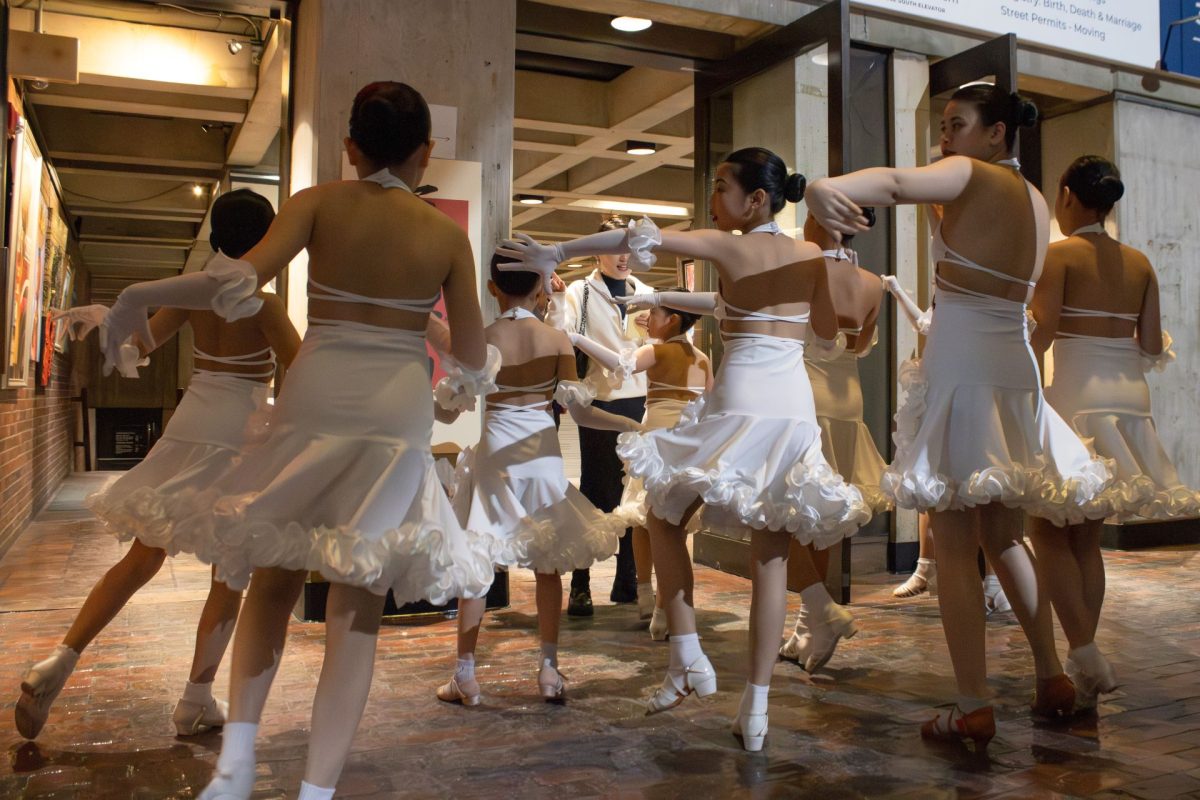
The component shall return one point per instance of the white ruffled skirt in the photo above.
(750, 449)
(512, 486)
(345, 484)
(846, 440)
(660, 414)
(1099, 387)
(217, 419)
(974, 429)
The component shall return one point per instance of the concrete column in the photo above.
(446, 49)
(1155, 151)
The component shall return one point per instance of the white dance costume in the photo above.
(837, 394)
(221, 414)
(1099, 387)
(661, 413)
(974, 428)
(750, 448)
(513, 485)
(345, 482)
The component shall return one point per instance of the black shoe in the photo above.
(580, 604)
(624, 592)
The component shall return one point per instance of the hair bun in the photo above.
(1027, 112)
(1111, 188)
(869, 213)
(793, 187)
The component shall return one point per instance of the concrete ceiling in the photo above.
(162, 113)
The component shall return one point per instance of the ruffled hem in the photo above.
(643, 237)
(539, 542)
(414, 560)
(815, 505)
(461, 387)
(1172, 503)
(235, 299)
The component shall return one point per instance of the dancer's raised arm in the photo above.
(692, 302)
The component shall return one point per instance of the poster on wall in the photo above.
(23, 288)
(1114, 30)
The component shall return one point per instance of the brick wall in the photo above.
(36, 436)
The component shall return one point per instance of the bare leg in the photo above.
(259, 639)
(214, 631)
(960, 598)
(642, 555)
(112, 592)
(463, 688)
(1072, 557)
(1000, 533)
(1085, 541)
(470, 618)
(768, 601)
(351, 633)
(549, 605)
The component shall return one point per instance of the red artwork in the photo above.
(457, 210)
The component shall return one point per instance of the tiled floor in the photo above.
(849, 732)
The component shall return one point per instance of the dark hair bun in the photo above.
(1027, 112)
(869, 213)
(239, 219)
(389, 121)
(1095, 181)
(793, 187)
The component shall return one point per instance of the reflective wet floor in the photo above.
(848, 732)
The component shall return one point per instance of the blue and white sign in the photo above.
(1181, 42)
(1113, 30)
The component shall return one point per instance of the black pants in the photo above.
(600, 481)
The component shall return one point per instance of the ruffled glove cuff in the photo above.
(818, 349)
(461, 386)
(235, 298)
(1159, 362)
(574, 393)
(925, 321)
(643, 237)
(616, 378)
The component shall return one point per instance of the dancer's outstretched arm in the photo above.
(639, 360)
(912, 312)
(837, 203)
(577, 396)
(691, 302)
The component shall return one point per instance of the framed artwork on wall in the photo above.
(23, 287)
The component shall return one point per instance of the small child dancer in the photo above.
(678, 373)
(227, 392)
(512, 484)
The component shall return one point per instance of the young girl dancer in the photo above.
(677, 373)
(512, 483)
(845, 439)
(227, 393)
(345, 483)
(1097, 304)
(752, 451)
(975, 443)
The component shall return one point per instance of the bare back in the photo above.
(379, 242)
(677, 364)
(999, 222)
(532, 354)
(857, 294)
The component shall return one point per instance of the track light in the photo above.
(636, 148)
(530, 199)
(630, 24)
(234, 46)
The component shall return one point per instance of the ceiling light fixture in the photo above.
(197, 190)
(530, 199)
(821, 58)
(636, 148)
(653, 209)
(630, 24)
(234, 46)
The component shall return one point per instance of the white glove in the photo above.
(891, 284)
(639, 302)
(127, 317)
(531, 257)
(81, 320)
(638, 240)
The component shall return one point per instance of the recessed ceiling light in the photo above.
(574, 266)
(976, 83)
(630, 24)
(636, 148)
(197, 190)
(821, 58)
(530, 199)
(633, 208)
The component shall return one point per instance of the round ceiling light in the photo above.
(630, 24)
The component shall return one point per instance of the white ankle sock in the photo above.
(310, 792)
(991, 585)
(65, 654)
(550, 653)
(969, 704)
(754, 699)
(237, 745)
(198, 693)
(464, 667)
(1088, 658)
(645, 590)
(925, 568)
(816, 599)
(685, 649)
